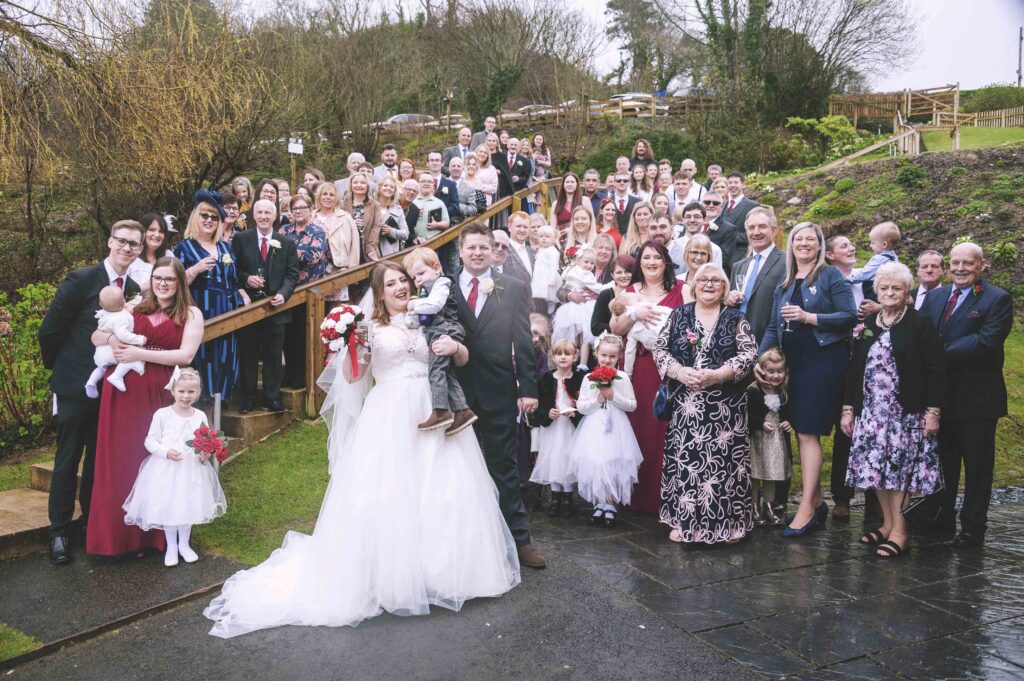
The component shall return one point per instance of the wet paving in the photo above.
(822, 607)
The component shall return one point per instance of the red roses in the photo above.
(206, 442)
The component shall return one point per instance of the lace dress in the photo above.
(410, 518)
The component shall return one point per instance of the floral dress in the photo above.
(311, 248)
(705, 480)
(890, 450)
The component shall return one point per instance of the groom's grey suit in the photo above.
(501, 371)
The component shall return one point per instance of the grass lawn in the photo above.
(275, 486)
(971, 138)
(14, 474)
(13, 642)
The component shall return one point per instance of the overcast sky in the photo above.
(973, 42)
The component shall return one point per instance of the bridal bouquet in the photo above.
(207, 443)
(340, 329)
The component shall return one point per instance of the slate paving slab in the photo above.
(755, 651)
(949, 658)
(854, 670)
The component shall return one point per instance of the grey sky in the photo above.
(973, 42)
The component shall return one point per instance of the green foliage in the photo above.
(667, 143)
(911, 176)
(991, 97)
(1004, 253)
(956, 172)
(963, 239)
(25, 404)
(819, 190)
(974, 207)
(830, 206)
(834, 135)
(846, 184)
(14, 643)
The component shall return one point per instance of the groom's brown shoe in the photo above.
(531, 558)
(464, 418)
(438, 419)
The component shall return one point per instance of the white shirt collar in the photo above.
(465, 277)
(739, 198)
(112, 274)
(765, 252)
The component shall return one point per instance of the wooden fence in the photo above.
(644, 106)
(929, 102)
(312, 295)
(1002, 118)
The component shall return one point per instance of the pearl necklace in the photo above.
(894, 322)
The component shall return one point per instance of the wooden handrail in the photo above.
(313, 294)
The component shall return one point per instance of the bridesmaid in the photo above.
(173, 328)
(212, 278)
(655, 282)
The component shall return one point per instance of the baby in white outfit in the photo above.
(114, 318)
(645, 334)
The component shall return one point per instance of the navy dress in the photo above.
(214, 293)
(816, 374)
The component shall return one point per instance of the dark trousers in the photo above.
(76, 433)
(973, 443)
(840, 463)
(295, 349)
(496, 432)
(263, 341)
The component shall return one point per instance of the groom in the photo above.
(495, 310)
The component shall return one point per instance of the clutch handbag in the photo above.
(663, 401)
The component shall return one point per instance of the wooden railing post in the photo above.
(314, 348)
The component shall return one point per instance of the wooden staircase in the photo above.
(24, 519)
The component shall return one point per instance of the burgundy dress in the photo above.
(649, 431)
(124, 422)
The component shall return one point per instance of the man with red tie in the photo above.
(623, 200)
(735, 212)
(974, 319)
(65, 341)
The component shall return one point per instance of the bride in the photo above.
(410, 518)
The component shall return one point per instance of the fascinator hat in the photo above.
(212, 197)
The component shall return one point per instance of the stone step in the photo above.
(250, 428)
(24, 522)
(40, 475)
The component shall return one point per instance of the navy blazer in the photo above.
(973, 343)
(830, 297)
(448, 192)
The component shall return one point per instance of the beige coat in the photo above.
(342, 237)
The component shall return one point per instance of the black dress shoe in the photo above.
(273, 405)
(60, 551)
(968, 540)
(245, 409)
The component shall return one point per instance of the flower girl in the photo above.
(770, 456)
(177, 487)
(605, 454)
(572, 321)
(556, 418)
(546, 280)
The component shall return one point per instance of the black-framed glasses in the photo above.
(125, 243)
(209, 216)
(164, 280)
(704, 281)
(300, 207)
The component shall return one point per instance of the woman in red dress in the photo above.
(654, 282)
(173, 328)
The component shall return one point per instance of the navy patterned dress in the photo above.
(705, 481)
(214, 292)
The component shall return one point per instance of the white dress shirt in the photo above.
(921, 293)
(465, 283)
(523, 254)
(112, 274)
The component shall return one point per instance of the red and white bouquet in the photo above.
(341, 329)
(207, 443)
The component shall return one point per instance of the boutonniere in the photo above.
(226, 259)
(274, 243)
(713, 227)
(813, 290)
(491, 285)
(976, 289)
(444, 190)
(861, 331)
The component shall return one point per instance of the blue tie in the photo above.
(748, 286)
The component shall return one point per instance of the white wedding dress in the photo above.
(410, 518)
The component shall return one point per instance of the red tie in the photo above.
(474, 284)
(622, 205)
(732, 204)
(120, 282)
(263, 248)
(950, 306)
(511, 160)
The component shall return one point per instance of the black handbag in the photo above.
(663, 402)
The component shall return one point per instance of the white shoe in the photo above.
(171, 558)
(116, 382)
(187, 553)
(92, 391)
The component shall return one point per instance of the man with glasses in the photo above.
(623, 200)
(693, 223)
(311, 251)
(721, 233)
(500, 254)
(481, 137)
(65, 341)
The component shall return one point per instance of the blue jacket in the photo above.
(830, 297)
(973, 343)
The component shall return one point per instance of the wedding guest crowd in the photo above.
(674, 286)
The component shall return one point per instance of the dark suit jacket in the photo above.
(281, 269)
(917, 349)
(448, 192)
(831, 300)
(523, 169)
(514, 267)
(494, 379)
(737, 217)
(759, 306)
(622, 217)
(546, 397)
(65, 335)
(478, 139)
(449, 154)
(973, 344)
(725, 238)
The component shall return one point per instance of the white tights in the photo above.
(177, 543)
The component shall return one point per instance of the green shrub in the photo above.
(25, 403)
(819, 190)
(956, 172)
(846, 184)
(619, 140)
(770, 199)
(975, 207)
(911, 176)
(1004, 253)
(991, 97)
